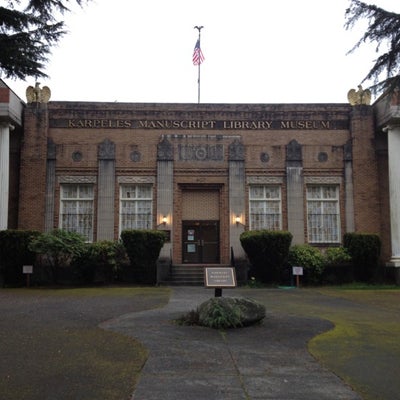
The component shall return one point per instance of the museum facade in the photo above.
(204, 173)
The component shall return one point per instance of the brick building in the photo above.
(206, 172)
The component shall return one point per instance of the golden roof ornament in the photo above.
(360, 96)
(37, 94)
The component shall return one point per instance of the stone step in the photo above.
(188, 274)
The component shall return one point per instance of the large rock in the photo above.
(230, 312)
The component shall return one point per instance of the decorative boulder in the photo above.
(230, 312)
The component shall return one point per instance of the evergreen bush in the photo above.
(364, 249)
(143, 248)
(338, 266)
(310, 258)
(57, 248)
(268, 252)
(337, 256)
(100, 262)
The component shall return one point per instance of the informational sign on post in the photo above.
(297, 271)
(219, 278)
(27, 270)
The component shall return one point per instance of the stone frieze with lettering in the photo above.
(221, 125)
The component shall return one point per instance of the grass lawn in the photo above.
(364, 346)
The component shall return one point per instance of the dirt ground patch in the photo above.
(51, 347)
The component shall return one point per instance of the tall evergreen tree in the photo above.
(383, 30)
(28, 30)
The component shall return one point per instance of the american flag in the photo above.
(198, 56)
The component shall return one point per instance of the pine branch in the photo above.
(384, 30)
(26, 36)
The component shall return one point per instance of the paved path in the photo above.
(269, 361)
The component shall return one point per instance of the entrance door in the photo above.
(200, 242)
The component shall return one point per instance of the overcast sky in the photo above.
(256, 51)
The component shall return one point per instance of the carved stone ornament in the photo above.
(77, 156)
(165, 151)
(348, 151)
(135, 156)
(264, 157)
(236, 151)
(360, 96)
(201, 152)
(107, 150)
(322, 156)
(51, 149)
(294, 151)
(37, 94)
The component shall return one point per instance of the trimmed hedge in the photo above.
(268, 252)
(143, 248)
(365, 250)
(14, 253)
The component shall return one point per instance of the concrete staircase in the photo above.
(188, 274)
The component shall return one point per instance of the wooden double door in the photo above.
(200, 241)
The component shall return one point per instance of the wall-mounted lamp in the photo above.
(238, 220)
(164, 221)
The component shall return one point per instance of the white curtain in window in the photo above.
(265, 207)
(76, 210)
(136, 205)
(323, 214)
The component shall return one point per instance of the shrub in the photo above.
(337, 256)
(267, 252)
(59, 248)
(143, 248)
(99, 262)
(310, 258)
(338, 266)
(365, 250)
(220, 315)
(230, 312)
(14, 253)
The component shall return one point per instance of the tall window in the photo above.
(76, 213)
(136, 205)
(265, 207)
(323, 214)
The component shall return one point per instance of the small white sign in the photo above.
(297, 270)
(27, 269)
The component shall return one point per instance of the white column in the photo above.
(394, 190)
(4, 173)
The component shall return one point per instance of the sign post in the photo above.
(27, 270)
(297, 271)
(219, 278)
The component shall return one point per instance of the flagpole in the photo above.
(198, 81)
(199, 28)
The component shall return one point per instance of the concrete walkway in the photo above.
(269, 361)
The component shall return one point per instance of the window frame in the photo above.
(135, 200)
(87, 232)
(265, 200)
(323, 234)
